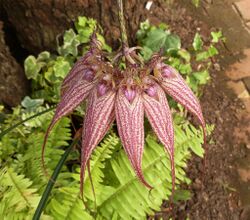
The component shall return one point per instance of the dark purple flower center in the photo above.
(88, 75)
(167, 72)
(151, 91)
(130, 94)
(102, 89)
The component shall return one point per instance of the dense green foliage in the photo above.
(118, 194)
(159, 38)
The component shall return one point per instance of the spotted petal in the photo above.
(159, 115)
(130, 117)
(176, 87)
(69, 101)
(76, 71)
(98, 119)
(88, 62)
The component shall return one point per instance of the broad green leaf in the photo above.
(184, 54)
(202, 77)
(31, 67)
(61, 67)
(70, 44)
(212, 51)
(146, 53)
(173, 42)
(158, 38)
(197, 43)
(43, 56)
(216, 36)
(31, 104)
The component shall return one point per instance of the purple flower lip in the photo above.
(130, 94)
(151, 90)
(166, 72)
(88, 75)
(102, 89)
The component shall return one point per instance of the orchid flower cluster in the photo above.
(125, 95)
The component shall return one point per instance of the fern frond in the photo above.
(66, 202)
(130, 200)
(67, 205)
(32, 158)
(101, 153)
(18, 197)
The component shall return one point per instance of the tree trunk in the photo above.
(13, 83)
(39, 22)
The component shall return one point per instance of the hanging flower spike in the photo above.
(76, 87)
(159, 115)
(98, 119)
(69, 101)
(86, 64)
(175, 86)
(130, 123)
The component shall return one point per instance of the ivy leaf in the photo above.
(197, 43)
(202, 77)
(43, 56)
(61, 67)
(84, 34)
(212, 51)
(146, 53)
(216, 36)
(173, 42)
(184, 54)
(71, 42)
(31, 67)
(158, 38)
(31, 104)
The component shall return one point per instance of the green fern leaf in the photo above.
(67, 205)
(131, 200)
(18, 198)
(66, 202)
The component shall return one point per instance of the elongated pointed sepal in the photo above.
(174, 85)
(98, 119)
(129, 117)
(73, 98)
(85, 67)
(77, 70)
(159, 115)
(69, 101)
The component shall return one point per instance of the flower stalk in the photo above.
(124, 37)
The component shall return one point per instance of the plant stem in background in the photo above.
(124, 37)
(52, 181)
(21, 122)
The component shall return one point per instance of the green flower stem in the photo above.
(21, 122)
(124, 37)
(52, 181)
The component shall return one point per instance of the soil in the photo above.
(218, 193)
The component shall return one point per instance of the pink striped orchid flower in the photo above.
(125, 96)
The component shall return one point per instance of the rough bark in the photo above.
(39, 22)
(13, 83)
